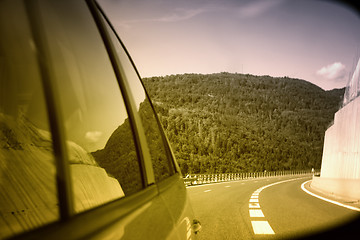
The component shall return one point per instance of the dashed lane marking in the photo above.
(262, 227)
(207, 190)
(256, 213)
(254, 205)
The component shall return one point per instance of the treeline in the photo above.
(223, 122)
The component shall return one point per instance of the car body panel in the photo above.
(88, 201)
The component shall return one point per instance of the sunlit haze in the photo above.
(317, 41)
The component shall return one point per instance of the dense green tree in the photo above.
(227, 122)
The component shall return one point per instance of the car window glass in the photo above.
(103, 160)
(28, 193)
(162, 164)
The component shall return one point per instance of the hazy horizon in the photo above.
(316, 41)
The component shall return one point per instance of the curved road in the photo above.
(268, 208)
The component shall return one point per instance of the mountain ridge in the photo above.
(228, 122)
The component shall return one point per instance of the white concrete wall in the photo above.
(93, 187)
(347, 189)
(28, 189)
(341, 154)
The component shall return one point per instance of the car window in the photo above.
(103, 160)
(28, 193)
(162, 162)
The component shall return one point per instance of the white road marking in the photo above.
(227, 186)
(272, 184)
(207, 190)
(256, 213)
(262, 227)
(328, 200)
(254, 205)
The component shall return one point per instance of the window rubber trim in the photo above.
(63, 179)
(173, 165)
(98, 16)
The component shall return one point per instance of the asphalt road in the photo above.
(246, 210)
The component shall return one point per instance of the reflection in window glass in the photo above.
(162, 165)
(28, 194)
(102, 155)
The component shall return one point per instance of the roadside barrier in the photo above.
(197, 179)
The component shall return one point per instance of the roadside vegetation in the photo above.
(224, 122)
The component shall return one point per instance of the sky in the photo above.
(314, 40)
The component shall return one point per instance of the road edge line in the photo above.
(326, 199)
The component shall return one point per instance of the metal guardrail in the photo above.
(197, 179)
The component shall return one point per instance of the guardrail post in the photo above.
(196, 179)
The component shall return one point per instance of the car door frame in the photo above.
(99, 218)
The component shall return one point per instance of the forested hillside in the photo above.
(227, 122)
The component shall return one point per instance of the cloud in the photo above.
(93, 136)
(181, 14)
(333, 71)
(177, 15)
(256, 8)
